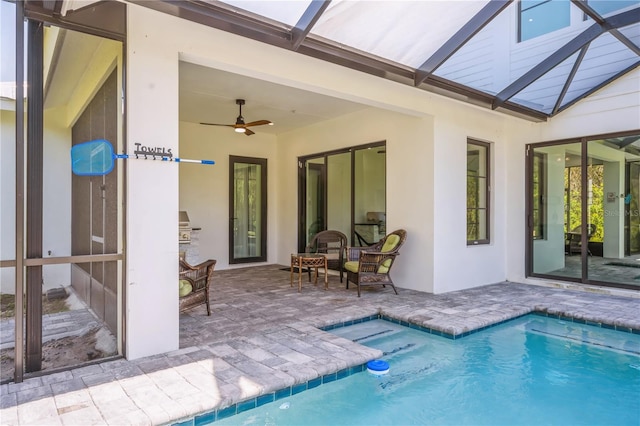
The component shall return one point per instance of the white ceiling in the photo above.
(209, 95)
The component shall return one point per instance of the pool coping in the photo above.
(242, 406)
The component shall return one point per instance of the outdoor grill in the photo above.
(184, 228)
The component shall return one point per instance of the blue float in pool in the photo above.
(378, 367)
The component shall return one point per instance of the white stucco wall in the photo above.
(56, 198)
(8, 194)
(460, 266)
(56, 236)
(204, 190)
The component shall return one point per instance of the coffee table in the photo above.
(309, 260)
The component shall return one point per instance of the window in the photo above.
(477, 192)
(605, 7)
(539, 195)
(539, 17)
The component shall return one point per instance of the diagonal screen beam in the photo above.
(587, 36)
(307, 21)
(462, 36)
(572, 74)
(591, 13)
(600, 86)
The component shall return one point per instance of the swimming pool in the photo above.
(532, 370)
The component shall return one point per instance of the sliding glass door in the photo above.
(583, 214)
(344, 190)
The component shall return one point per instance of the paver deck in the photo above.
(264, 336)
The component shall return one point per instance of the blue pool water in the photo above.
(533, 370)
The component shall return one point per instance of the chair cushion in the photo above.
(353, 266)
(185, 288)
(390, 243)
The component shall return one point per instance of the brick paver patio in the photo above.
(264, 336)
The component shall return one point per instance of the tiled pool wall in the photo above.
(212, 416)
(476, 330)
(242, 406)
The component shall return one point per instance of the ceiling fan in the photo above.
(241, 126)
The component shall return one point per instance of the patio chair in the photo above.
(331, 243)
(195, 282)
(372, 265)
(573, 239)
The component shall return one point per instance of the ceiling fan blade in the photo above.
(248, 132)
(258, 123)
(214, 124)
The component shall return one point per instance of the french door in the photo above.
(247, 209)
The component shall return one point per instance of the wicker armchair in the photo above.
(333, 244)
(200, 277)
(372, 265)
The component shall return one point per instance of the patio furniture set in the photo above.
(364, 266)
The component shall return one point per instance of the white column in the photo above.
(152, 190)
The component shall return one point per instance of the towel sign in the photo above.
(97, 158)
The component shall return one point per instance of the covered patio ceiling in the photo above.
(447, 47)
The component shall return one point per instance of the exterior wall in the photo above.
(204, 190)
(426, 168)
(8, 193)
(409, 177)
(459, 266)
(56, 236)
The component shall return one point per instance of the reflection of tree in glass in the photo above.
(595, 199)
(634, 207)
(472, 206)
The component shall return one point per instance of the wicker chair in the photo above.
(372, 265)
(331, 243)
(200, 277)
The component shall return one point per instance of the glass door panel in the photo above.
(331, 183)
(613, 213)
(369, 195)
(556, 192)
(316, 207)
(632, 208)
(339, 192)
(248, 207)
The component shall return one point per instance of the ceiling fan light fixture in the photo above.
(241, 126)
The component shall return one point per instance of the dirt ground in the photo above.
(58, 353)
